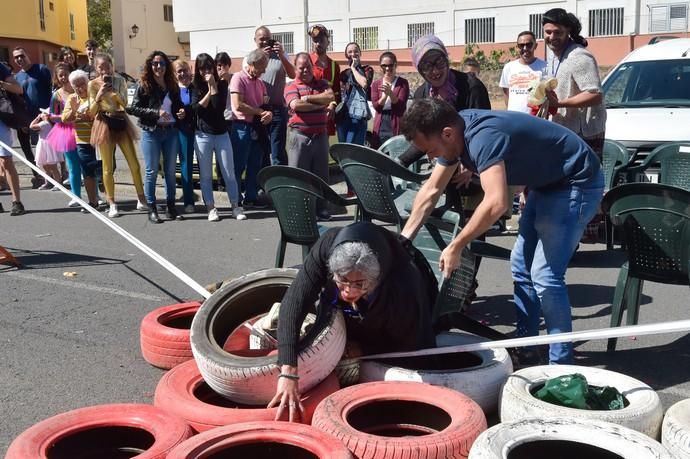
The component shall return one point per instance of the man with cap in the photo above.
(325, 68)
(509, 148)
(384, 293)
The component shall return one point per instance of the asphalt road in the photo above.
(70, 342)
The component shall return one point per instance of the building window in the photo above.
(72, 34)
(480, 30)
(535, 25)
(4, 54)
(415, 31)
(287, 39)
(51, 6)
(42, 15)
(668, 18)
(167, 13)
(366, 37)
(608, 21)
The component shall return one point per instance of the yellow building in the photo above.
(42, 27)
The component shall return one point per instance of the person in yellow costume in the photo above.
(111, 127)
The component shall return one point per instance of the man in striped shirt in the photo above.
(307, 99)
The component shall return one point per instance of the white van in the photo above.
(647, 98)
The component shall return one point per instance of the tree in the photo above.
(100, 23)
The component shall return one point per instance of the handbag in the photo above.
(13, 110)
(357, 106)
(114, 122)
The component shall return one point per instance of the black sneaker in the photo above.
(2, 209)
(36, 182)
(17, 209)
(171, 212)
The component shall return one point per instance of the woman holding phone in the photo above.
(111, 127)
(351, 121)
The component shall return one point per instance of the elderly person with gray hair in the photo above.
(252, 116)
(363, 270)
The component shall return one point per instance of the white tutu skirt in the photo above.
(46, 154)
(62, 137)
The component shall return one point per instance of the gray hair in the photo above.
(256, 56)
(78, 75)
(355, 256)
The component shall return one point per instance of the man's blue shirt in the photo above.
(38, 86)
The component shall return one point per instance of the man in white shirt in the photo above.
(519, 74)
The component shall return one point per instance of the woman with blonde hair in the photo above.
(111, 127)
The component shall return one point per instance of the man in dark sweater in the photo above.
(363, 270)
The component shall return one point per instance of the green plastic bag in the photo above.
(572, 391)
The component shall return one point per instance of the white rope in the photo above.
(174, 270)
(586, 335)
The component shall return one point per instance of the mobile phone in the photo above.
(270, 43)
(108, 80)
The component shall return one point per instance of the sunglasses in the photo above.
(387, 66)
(158, 64)
(439, 64)
(529, 45)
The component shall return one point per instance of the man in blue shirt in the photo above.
(505, 148)
(36, 81)
(9, 85)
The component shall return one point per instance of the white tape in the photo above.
(586, 335)
(174, 270)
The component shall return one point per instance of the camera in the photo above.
(270, 43)
(108, 80)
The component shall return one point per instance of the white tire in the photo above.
(675, 430)
(479, 375)
(252, 380)
(564, 438)
(643, 414)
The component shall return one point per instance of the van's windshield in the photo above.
(663, 83)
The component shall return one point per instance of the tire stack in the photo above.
(164, 334)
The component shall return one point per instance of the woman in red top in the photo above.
(325, 68)
(389, 96)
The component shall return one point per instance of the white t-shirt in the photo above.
(518, 77)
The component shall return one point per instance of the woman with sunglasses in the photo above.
(158, 106)
(209, 99)
(185, 127)
(366, 272)
(389, 97)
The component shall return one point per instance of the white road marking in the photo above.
(83, 286)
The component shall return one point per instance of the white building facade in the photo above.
(224, 25)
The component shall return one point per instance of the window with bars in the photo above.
(366, 37)
(167, 13)
(72, 34)
(287, 39)
(480, 30)
(330, 40)
(415, 31)
(667, 18)
(608, 21)
(42, 15)
(535, 25)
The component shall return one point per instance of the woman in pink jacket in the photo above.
(389, 98)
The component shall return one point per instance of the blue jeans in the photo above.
(186, 162)
(153, 145)
(74, 169)
(90, 166)
(352, 131)
(278, 135)
(551, 226)
(205, 145)
(248, 155)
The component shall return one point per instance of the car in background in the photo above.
(647, 97)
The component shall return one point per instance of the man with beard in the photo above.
(519, 75)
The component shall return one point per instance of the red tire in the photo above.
(102, 431)
(182, 391)
(164, 334)
(394, 419)
(261, 440)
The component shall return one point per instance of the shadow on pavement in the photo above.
(49, 259)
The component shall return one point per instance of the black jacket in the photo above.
(146, 106)
(399, 316)
(211, 119)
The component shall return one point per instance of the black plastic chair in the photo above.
(614, 159)
(295, 194)
(655, 221)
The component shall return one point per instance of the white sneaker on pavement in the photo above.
(213, 215)
(112, 212)
(238, 213)
(73, 203)
(142, 206)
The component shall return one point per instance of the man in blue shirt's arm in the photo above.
(506, 149)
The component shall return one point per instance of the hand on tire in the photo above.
(287, 396)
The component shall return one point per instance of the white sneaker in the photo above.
(65, 183)
(142, 206)
(73, 203)
(112, 212)
(213, 215)
(189, 209)
(238, 213)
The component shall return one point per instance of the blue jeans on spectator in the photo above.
(186, 163)
(352, 131)
(278, 135)
(90, 166)
(205, 145)
(161, 141)
(248, 155)
(551, 226)
(74, 169)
